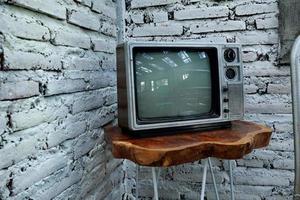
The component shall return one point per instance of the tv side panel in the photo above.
(122, 87)
(235, 92)
(236, 105)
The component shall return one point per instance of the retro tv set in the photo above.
(178, 85)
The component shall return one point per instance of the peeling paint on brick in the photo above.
(57, 91)
(263, 174)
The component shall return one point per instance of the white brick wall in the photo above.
(215, 26)
(251, 9)
(84, 19)
(263, 174)
(17, 90)
(150, 30)
(52, 8)
(103, 45)
(23, 28)
(202, 13)
(57, 91)
(105, 8)
(72, 39)
(146, 3)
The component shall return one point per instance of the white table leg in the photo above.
(154, 184)
(213, 178)
(207, 162)
(204, 181)
(137, 182)
(231, 180)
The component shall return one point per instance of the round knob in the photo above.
(225, 89)
(226, 100)
(229, 55)
(226, 110)
(230, 73)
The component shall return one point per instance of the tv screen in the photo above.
(175, 83)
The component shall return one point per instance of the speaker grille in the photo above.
(236, 105)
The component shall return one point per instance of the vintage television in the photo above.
(178, 85)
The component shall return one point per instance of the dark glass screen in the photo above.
(173, 83)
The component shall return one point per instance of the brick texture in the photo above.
(263, 174)
(145, 3)
(57, 91)
(164, 30)
(202, 13)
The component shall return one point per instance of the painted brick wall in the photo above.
(264, 174)
(57, 90)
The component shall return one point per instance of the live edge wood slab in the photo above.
(167, 150)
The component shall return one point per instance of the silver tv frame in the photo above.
(229, 89)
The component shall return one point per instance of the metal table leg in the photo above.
(154, 183)
(207, 162)
(213, 178)
(204, 181)
(158, 174)
(231, 180)
(137, 182)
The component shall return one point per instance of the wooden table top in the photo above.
(167, 150)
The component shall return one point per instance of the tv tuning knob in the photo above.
(230, 74)
(229, 55)
(226, 100)
(226, 110)
(225, 89)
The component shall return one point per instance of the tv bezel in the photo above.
(128, 116)
(215, 96)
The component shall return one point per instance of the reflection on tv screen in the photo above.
(172, 83)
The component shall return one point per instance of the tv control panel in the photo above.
(233, 101)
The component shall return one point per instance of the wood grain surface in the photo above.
(184, 147)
